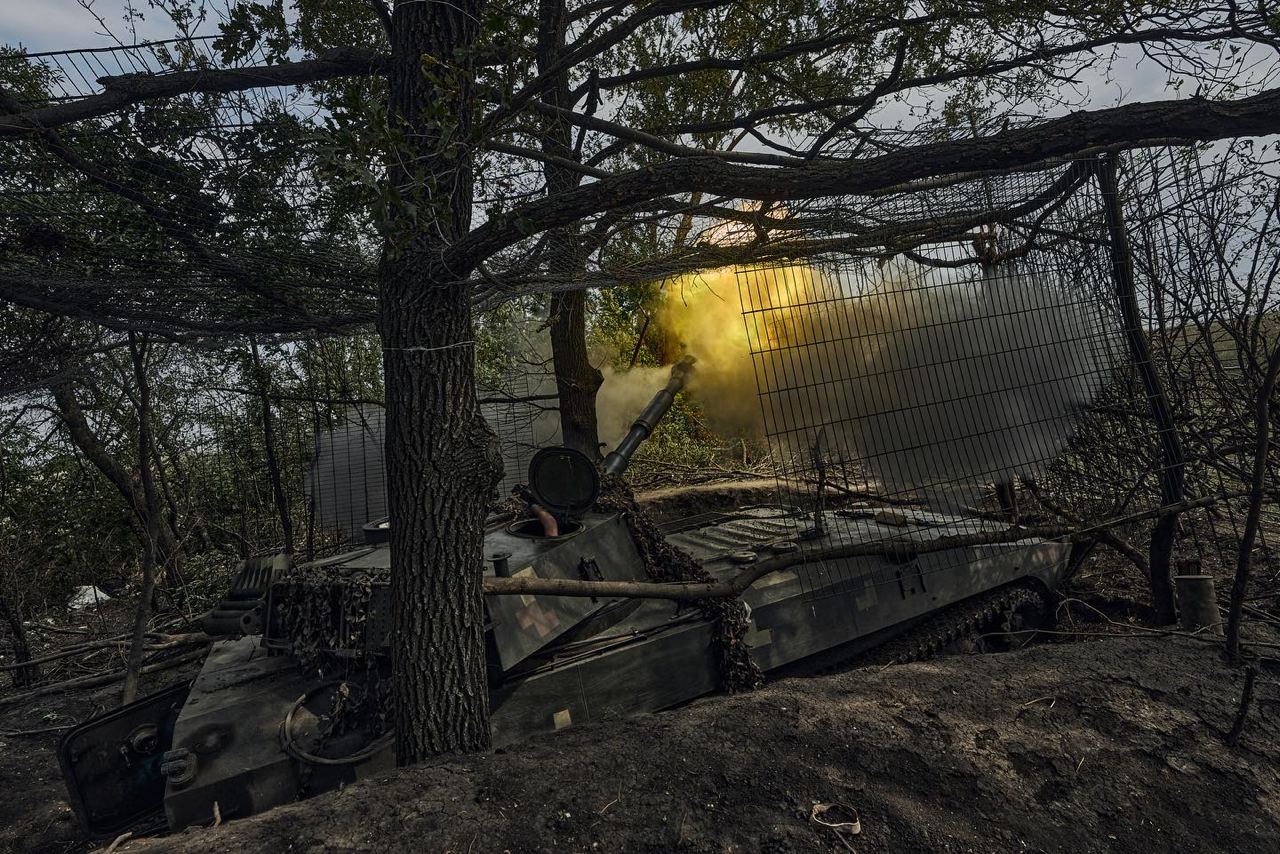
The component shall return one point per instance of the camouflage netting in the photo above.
(665, 562)
(324, 611)
(325, 614)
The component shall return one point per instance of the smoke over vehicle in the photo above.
(939, 381)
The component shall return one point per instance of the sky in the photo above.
(43, 25)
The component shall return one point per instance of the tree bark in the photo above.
(269, 444)
(150, 520)
(577, 380)
(1171, 456)
(442, 460)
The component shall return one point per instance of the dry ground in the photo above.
(1111, 745)
(34, 813)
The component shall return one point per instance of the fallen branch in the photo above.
(44, 730)
(690, 591)
(165, 642)
(61, 630)
(98, 680)
(117, 842)
(1204, 634)
(1106, 536)
(121, 91)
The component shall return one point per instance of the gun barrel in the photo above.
(619, 458)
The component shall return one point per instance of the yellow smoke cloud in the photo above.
(703, 314)
(930, 381)
(622, 396)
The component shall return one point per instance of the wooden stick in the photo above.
(1246, 697)
(15, 733)
(44, 627)
(688, 591)
(118, 841)
(98, 680)
(167, 642)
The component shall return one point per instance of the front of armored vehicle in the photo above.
(294, 699)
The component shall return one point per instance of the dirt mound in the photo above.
(1113, 745)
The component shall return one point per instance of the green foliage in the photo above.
(250, 25)
(61, 525)
(64, 524)
(683, 439)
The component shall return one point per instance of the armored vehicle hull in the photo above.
(241, 736)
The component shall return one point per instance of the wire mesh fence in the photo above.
(346, 486)
(101, 218)
(977, 386)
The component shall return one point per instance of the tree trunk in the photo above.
(269, 444)
(1257, 493)
(442, 459)
(150, 521)
(23, 676)
(577, 380)
(83, 437)
(1171, 457)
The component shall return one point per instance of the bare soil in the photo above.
(34, 813)
(678, 502)
(1110, 745)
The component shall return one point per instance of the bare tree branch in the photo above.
(691, 591)
(123, 91)
(1132, 125)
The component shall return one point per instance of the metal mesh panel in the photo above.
(932, 378)
(221, 171)
(347, 480)
(523, 422)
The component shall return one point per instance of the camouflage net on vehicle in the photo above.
(665, 562)
(325, 613)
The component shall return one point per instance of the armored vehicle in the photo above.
(292, 701)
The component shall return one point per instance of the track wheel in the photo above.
(1016, 623)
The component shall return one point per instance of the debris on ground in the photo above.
(87, 596)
